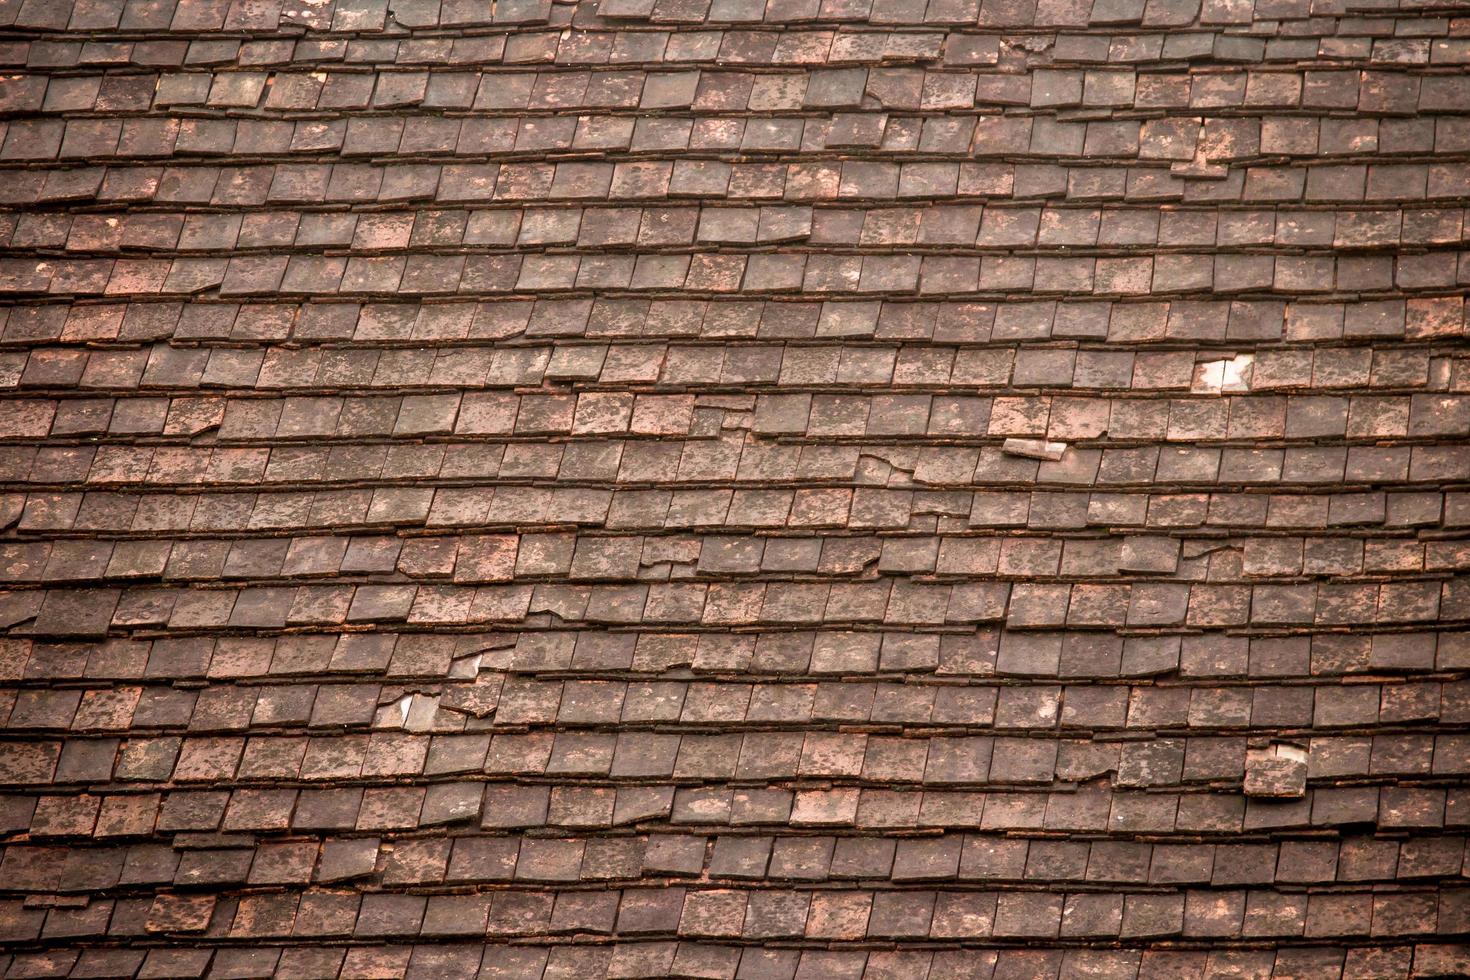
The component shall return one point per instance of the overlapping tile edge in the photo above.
(791, 489)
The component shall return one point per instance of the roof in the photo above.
(760, 489)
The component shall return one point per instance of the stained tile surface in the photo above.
(760, 489)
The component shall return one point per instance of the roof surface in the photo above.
(762, 489)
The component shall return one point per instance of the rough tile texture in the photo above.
(762, 489)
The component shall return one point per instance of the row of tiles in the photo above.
(759, 365)
(1319, 418)
(901, 467)
(397, 861)
(257, 184)
(262, 604)
(404, 657)
(1133, 323)
(655, 47)
(928, 709)
(1194, 149)
(195, 817)
(499, 558)
(733, 459)
(863, 510)
(890, 601)
(625, 961)
(1366, 40)
(924, 758)
(1389, 322)
(966, 762)
(1399, 802)
(349, 16)
(953, 226)
(1176, 14)
(866, 509)
(371, 16)
(664, 702)
(817, 274)
(1386, 89)
(766, 915)
(715, 453)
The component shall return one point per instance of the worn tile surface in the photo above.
(761, 489)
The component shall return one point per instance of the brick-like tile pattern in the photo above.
(734, 489)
